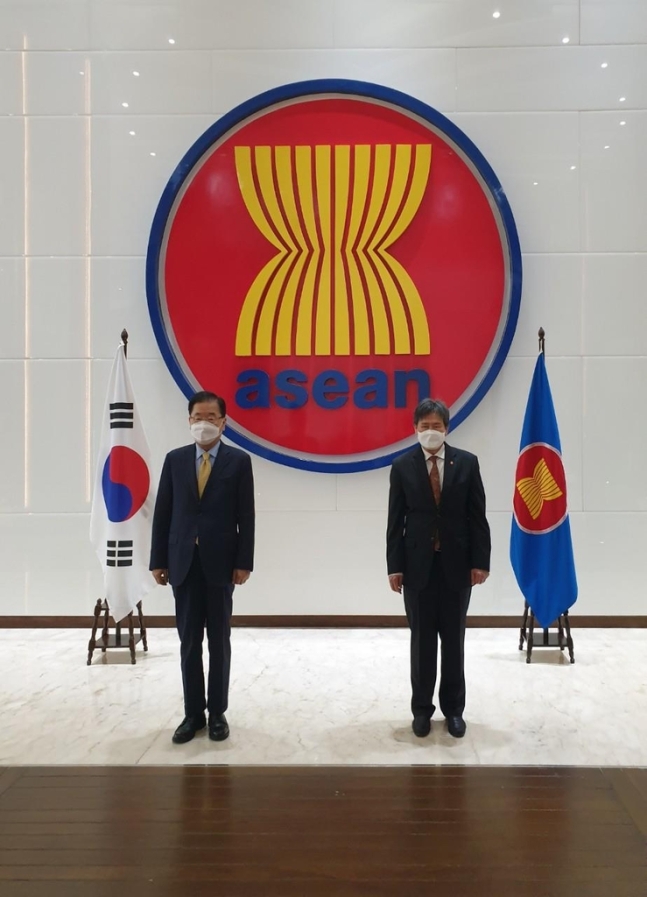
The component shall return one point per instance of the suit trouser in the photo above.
(437, 610)
(198, 605)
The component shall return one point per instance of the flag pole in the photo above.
(124, 339)
(541, 334)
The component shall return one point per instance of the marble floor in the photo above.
(324, 697)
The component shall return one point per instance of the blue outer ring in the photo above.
(309, 88)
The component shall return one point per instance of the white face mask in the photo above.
(431, 439)
(203, 432)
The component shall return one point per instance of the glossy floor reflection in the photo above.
(324, 697)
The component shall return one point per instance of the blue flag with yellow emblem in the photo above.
(541, 549)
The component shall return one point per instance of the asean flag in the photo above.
(122, 505)
(541, 549)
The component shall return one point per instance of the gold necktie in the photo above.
(203, 472)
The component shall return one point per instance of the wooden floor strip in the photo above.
(323, 832)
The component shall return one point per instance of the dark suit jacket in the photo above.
(459, 521)
(222, 520)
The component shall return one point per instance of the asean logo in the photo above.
(540, 493)
(326, 255)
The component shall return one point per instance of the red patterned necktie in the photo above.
(434, 479)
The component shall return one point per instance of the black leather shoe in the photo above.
(188, 727)
(421, 726)
(456, 726)
(218, 728)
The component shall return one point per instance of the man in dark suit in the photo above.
(438, 547)
(203, 544)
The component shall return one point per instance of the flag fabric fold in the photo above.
(123, 500)
(541, 549)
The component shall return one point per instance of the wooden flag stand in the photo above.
(560, 639)
(101, 608)
(106, 640)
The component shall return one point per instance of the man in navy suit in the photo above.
(203, 544)
(438, 547)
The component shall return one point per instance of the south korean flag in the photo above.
(122, 506)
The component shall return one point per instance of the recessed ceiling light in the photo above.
(125, 105)
(81, 73)
(573, 167)
(496, 14)
(171, 40)
(535, 183)
(136, 74)
(604, 65)
(153, 154)
(623, 122)
(607, 146)
(623, 99)
(566, 40)
(132, 133)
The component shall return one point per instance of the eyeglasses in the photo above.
(209, 418)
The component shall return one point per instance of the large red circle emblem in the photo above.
(326, 258)
(540, 489)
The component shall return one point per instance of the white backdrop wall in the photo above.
(554, 94)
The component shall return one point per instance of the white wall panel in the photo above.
(44, 24)
(206, 24)
(536, 158)
(12, 297)
(57, 200)
(614, 182)
(129, 173)
(454, 23)
(552, 299)
(12, 185)
(118, 300)
(64, 571)
(613, 21)
(319, 562)
(14, 542)
(11, 83)
(368, 491)
(551, 78)
(57, 83)
(12, 444)
(614, 461)
(609, 551)
(281, 488)
(614, 309)
(57, 437)
(169, 82)
(58, 308)
(429, 74)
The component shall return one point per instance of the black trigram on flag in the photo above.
(121, 415)
(119, 553)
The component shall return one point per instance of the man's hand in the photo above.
(395, 581)
(479, 577)
(160, 576)
(240, 577)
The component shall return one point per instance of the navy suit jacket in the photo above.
(459, 520)
(222, 520)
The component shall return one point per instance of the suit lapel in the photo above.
(449, 471)
(190, 470)
(420, 467)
